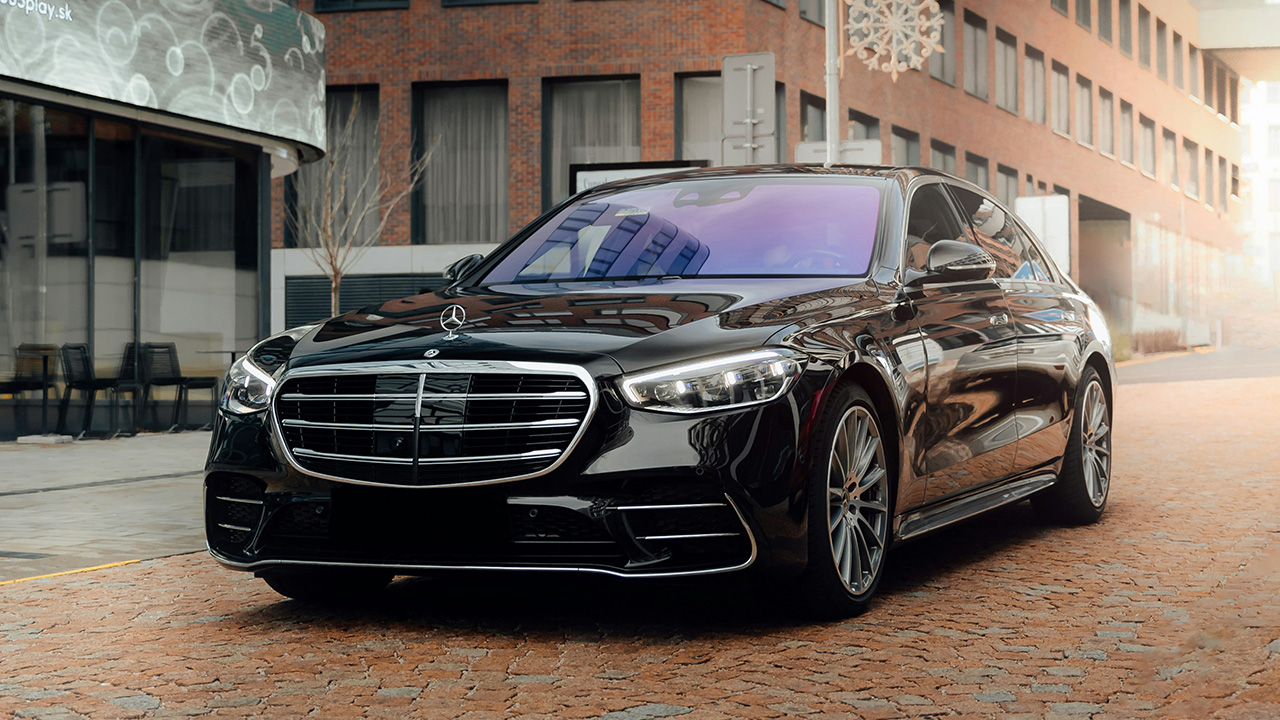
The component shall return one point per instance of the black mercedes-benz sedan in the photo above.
(782, 370)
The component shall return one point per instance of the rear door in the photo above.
(966, 435)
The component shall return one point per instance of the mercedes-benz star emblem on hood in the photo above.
(451, 319)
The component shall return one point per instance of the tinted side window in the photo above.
(1035, 262)
(929, 220)
(998, 233)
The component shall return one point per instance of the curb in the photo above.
(1165, 356)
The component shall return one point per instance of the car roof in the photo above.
(902, 174)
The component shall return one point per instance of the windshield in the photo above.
(744, 226)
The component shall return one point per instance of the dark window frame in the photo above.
(471, 3)
(326, 6)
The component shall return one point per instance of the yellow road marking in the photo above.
(71, 572)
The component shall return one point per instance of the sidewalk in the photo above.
(95, 502)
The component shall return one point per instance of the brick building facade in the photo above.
(1110, 102)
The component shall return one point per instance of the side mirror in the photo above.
(461, 267)
(955, 261)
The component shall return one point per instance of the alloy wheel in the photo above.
(857, 500)
(1096, 435)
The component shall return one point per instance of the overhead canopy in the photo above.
(254, 66)
(1244, 34)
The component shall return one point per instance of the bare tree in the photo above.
(344, 200)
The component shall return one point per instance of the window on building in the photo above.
(1033, 84)
(1234, 100)
(463, 198)
(1084, 110)
(590, 121)
(1030, 190)
(334, 5)
(1191, 158)
(1006, 71)
(976, 169)
(1170, 150)
(1044, 188)
(1148, 152)
(1273, 91)
(780, 105)
(701, 116)
(943, 65)
(1162, 50)
(1207, 95)
(1273, 140)
(1104, 21)
(813, 118)
(906, 147)
(1084, 14)
(1059, 5)
(814, 10)
(942, 156)
(1061, 99)
(1273, 195)
(1207, 195)
(1144, 37)
(1106, 122)
(1177, 62)
(1221, 105)
(1126, 132)
(975, 55)
(351, 162)
(1006, 184)
(1235, 181)
(1193, 71)
(1124, 26)
(1222, 183)
(863, 126)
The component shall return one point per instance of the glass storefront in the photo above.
(111, 233)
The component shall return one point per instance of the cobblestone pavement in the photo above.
(1168, 608)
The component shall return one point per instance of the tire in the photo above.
(328, 586)
(1079, 497)
(850, 507)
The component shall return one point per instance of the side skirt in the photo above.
(935, 518)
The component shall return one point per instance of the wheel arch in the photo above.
(1098, 362)
(870, 377)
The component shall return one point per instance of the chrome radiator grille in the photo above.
(433, 422)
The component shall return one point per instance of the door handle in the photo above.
(999, 319)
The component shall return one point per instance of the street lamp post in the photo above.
(833, 82)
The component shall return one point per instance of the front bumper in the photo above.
(641, 495)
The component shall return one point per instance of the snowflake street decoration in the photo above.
(894, 35)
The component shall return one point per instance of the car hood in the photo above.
(635, 324)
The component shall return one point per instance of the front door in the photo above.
(967, 435)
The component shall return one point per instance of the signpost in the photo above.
(750, 114)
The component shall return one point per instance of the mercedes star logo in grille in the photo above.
(451, 319)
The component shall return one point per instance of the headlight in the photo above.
(248, 386)
(715, 383)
